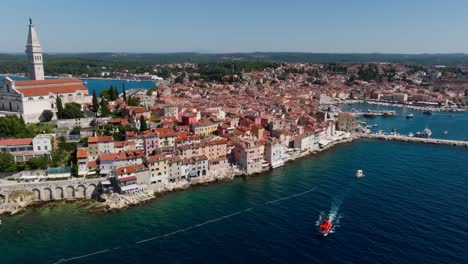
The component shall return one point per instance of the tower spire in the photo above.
(34, 53)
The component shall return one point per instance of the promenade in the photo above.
(436, 141)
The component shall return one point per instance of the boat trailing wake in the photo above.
(63, 260)
(333, 215)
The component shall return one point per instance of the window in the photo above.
(38, 147)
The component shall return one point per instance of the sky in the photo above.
(220, 26)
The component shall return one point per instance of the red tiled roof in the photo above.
(82, 153)
(36, 91)
(126, 169)
(129, 178)
(15, 141)
(100, 139)
(48, 81)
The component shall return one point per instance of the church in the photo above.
(31, 97)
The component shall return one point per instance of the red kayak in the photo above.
(325, 227)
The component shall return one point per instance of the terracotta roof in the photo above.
(15, 141)
(48, 81)
(126, 170)
(82, 153)
(100, 139)
(129, 178)
(36, 91)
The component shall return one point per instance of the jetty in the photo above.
(459, 143)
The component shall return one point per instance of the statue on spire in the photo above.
(30, 21)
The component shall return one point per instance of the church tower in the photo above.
(34, 52)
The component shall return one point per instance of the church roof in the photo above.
(51, 86)
(48, 81)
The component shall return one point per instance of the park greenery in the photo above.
(15, 127)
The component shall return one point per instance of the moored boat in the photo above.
(410, 116)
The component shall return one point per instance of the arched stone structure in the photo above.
(37, 194)
(69, 192)
(80, 191)
(90, 190)
(58, 194)
(47, 194)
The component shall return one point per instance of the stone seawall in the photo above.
(27, 193)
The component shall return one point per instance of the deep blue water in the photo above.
(456, 124)
(100, 84)
(411, 207)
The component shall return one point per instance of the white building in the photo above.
(31, 98)
(42, 142)
(274, 152)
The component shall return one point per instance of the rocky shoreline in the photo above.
(114, 201)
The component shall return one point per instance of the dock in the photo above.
(436, 141)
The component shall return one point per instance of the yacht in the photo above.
(425, 134)
(410, 116)
(359, 173)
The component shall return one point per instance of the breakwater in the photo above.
(436, 141)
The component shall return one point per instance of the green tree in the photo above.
(37, 163)
(13, 126)
(133, 101)
(113, 93)
(124, 93)
(47, 115)
(74, 170)
(60, 109)
(72, 110)
(179, 79)
(105, 112)
(143, 124)
(95, 102)
(7, 162)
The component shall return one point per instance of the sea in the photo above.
(411, 207)
(100, 84)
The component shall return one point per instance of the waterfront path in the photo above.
(459, 143)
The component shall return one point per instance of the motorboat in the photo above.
(359, 173)
(445, 132)
(410, 116)
(326, 227)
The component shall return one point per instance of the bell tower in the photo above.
(34, 53)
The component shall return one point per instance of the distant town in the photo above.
(201, 122)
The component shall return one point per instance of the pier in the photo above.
(459, 143)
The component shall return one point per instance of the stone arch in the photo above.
(47, 194)
(90, 190)
(59, 193)
(37, 194)
(70, 192)
(80, 191)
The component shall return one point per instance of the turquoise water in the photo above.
(411, 207)
(100, 84)
(456, 124)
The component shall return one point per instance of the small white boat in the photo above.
(445, 132)
(359, 173)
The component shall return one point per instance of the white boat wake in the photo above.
(63, 260)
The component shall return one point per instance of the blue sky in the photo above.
(387, 26)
